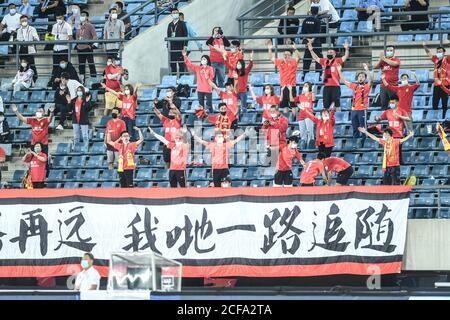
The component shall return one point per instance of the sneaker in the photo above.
(59, 127)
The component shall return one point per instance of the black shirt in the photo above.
(57, 71)
(291, 26)
(177, 30)
(311, 25)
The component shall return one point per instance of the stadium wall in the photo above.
(146, 56)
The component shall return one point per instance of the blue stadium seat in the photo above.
(38, 96)
(313, 77)
(142, 120)
(73, 174)
(239, 184)
(349, 15)
(80, 148)
(369, 157)
(421, 170)
(427, 143)
(423, 157)
(442, 157)
(110, 175)
(365, 26)
(144, 174)
(430, 182)
(201, 184)
(147, 94)
(60, 161)
(162, 174)
(198, 174)
(89, 185)
(77, 161)
(341, 41)
(91, 175)
(168, 81)
(95, 161)
(423, 213)
(405, 37)
(267, 173)
(423, 75)
(351, 4)
(425, 200)
(257, 78)
(417, 115)
(187, 80)
(109, 185)
(434, 115)
(347, 26)
(273, 79)
(247, 119)
(55, 175)
(104, 120)
(21, 96)
(236, 173)
(144, 184)
(337, 4)
(63, 148)
(422, 37)
(439, 171)
(98, 147)
(364, 171)
(405, 171)
(71, 185)
(258, 183)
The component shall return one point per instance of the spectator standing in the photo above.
(26, 9)
(168, 102)
(64, 66)
(121, 13)
(232, 57)
(312, 170)
(172, 126)
(48, 8)
(203, 72)
(360, 102)
(288, 26)
(332, 90)
(287, 153)
(114, 127)
(392, 155)
(176, 29)
(243, 72)
(275, 129)
(61, 105)
(73, 18)
(113, 74)
(85, 50)
(219, 149)
(72, 85)
(10, 23)
(38, 165)
(311, 25)
(324, 130)
(229, 97)
(218, 40)
(62, 31)
(288, 72)
(5, 131)
(327, 9)
(88, 278)
(389, 65)
(405, 93)
(266, 101)
(114, 29)
(366, 8)
(191, 34)
(24, 77)
(27, 33)
(80, 108)
(418, 21)
(126, 150)
(39, 126)
(305, 101)
(224, 121)
(441, 77)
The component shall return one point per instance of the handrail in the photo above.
(256, 5)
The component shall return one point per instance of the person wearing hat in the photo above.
(287, 152)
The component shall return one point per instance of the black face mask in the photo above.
(171, 117)
(329, 56)
(224, 113)
(114, 115)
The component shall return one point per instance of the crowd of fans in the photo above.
(226, 67)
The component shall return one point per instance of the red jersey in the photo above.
(202, 82)
(276, 134)
(331, 73)
(396, 125)
(391, 156)
(306, 101)
(215, 55)
(39, 130)
(335, 164)
(78, 103)
(405, 96)
(178, 156)
(171, 127)
(324, 129)
(115, 128)
(360, 96)
(441, 72)
(223, 123)
(113, 84)
(390, 72)
(129, 105)
(231, 61)
(311, 170)
(38, 167)
(126, 156)
(266, 102)
(219, 154)
(288, 71)
(286, 156)
(231, 99)
(243, 80)
(2, 154)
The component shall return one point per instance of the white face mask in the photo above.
(392, 105)
(24, 23)
(294, 146)
(74, 10)
(440, 55)
(274, 115)
(108, 63)
(325, 117)
(178, 143)
(114, 16)
(305, 90)
(79, 93)
(2, 118)
(60, 21)
(239, 66)
(39, 114)
(404, 82)
(127, 92)
(233, 50)
(23, 64)
(169, 94)
(268, 91)
(389, 54)
(82, 19)
(220, 140)
(204, 62)
(175, 16)
(12, 11)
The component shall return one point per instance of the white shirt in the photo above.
(2, 109)
(28, 33)
(87, 278)
(61, 32)
(72, 86)
(12, 22)
(325, 5)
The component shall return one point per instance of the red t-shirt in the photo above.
(333, 79)
(219, 154)
(113, 84)
(276, 134)
(39, 130)
(335, 164)
(243, 80)
(128, 106)
(324, 129)
(115, 127)
(288, 71)
(405, 95)
(78, 103)
(231, 99)
(286, 156)
(311, 170)
(2, 154)
(266, 102)
(215, 55)
(396, 125)
(223, 123)
(38, 168)
(231, 61)
(360, 96)
(390, 72)
(171, 127)
(126, 153)
(307, 102)
(178, 156)
(442, 73)
(391, 157)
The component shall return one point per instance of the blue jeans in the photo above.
(359, 121)
(130, 125)
(219, 73)
(243, 98)
(80, 131)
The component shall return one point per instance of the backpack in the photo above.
(183, 90)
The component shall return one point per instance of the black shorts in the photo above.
(283, 178)
(166, 154)
(126, 179)
(344, 175)
(307, 185)
(219, 175)
(177, 177)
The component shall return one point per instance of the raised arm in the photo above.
(18, 114)
(371, 136)
(427, 50)
(347, 52)
(252, 92)
(414, 75)
(369, 74)
(159, 137)
(269, 49)
(108, 139)
(110, 90)
(313, 54)
(341, 76)
(136, 89)
(242, 136)
(297, 53)
(52, 111)
(141, 136)
(156, 110)
(213, 85)
(410, 135)
(198, 139)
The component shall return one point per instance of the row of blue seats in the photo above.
(42, 96)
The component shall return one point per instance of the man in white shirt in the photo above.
(27, 33)
(10, 23)
(88, 278)
(72, 85)
(325, 9)
(62, 31)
